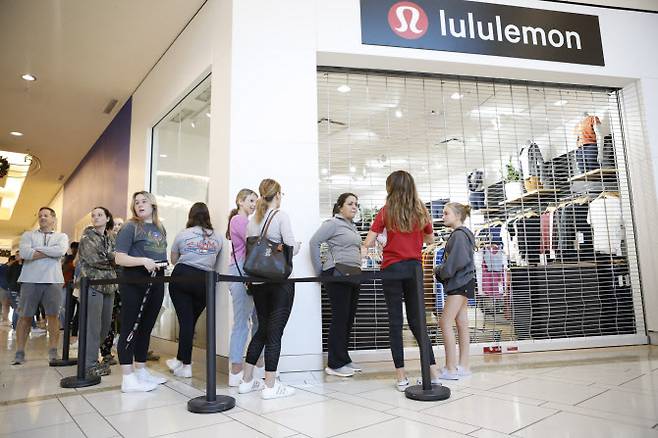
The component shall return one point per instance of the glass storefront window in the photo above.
(179, 178)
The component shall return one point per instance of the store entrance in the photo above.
(543, 168)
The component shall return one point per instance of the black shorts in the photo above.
(467, 291)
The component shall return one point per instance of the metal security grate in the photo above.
(551, 204)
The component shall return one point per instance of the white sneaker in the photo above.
(144, 376)
(279, 390)
(254, 385)
(463, 372)
(173, 364)
(259, 372)
(355, 367)
(402, 385)
(447, 375)
(183, 371)
(235, 379)
(344, 371)
(131, 383)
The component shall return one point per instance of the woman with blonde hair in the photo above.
(141, 248)
(457, 273)
(407, 223)
(273, 301)
(243, 303)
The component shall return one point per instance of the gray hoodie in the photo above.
(343, 240)
(457, 269)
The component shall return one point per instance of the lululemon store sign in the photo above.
(484, 29)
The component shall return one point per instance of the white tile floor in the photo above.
(590, 393)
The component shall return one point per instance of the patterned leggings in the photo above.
(106, 346)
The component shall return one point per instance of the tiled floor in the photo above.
(590, 393)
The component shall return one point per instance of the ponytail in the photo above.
(241, 196)
(268, 189)
(463, 211)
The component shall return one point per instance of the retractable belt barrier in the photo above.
(211, 403)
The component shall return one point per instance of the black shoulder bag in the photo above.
(266, 258)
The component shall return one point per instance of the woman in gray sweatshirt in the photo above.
(457, 273)
(343, 258)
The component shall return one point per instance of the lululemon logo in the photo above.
(408, 20)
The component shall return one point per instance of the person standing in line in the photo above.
(408, 225)
(108, 343)
(344, 251)
(141, 248)
(195, 251)
(68, 270)
(97, 263)
(5, 295)
(457, 273)
(243, 303)
(41, 281)
(273, 301)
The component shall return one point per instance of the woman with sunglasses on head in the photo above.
(96, 251)
(407, 223)
(243, 303)
(195, 251)
(141, 248)
(343, 258)
(273, 301)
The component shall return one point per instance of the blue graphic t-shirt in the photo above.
(142, 240)
(198, 248)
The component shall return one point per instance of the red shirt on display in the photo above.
(400, 246)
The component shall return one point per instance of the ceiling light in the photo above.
(16, 133)
(163, 155)
(324, 171)
(456, 96)
(193, 125)
(398, 113)
(208, 115)
(344, 89)
(28, 77)
(561, 103)
(352, 169)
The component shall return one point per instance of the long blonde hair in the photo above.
(268, 189)
(404, 210)
(150, 197)
(242, 196)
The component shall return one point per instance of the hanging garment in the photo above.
(574, 233)
(532, 161)
(438, 287)
(605, 217)
(529, 237)
(493, 282)
(494, 258)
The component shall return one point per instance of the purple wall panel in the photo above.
(101, 178)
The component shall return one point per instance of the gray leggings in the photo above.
(99, 320)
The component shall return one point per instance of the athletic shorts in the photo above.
(467, 291)
(4, 294)
(32, 294)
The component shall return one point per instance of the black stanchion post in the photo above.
(427, 391)
(81, 379)
(210, 403)
(65, 361)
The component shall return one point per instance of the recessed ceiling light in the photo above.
(561, 103)
(456, 96)
(324, 171)
(398, 113)
(208, 114)
(352, 169)
(163, 155)
(16, 133)
(193, 125)
(28, 77)
(344, 89)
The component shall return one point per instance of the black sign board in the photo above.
(483, 28)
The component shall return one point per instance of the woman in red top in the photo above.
(407, 223)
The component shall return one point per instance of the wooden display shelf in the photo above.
(530, 196)
(594, 175)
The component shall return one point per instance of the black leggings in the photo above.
(412, 291)
(189, 300)
(273, 303)
(344, 299)
(131, 299)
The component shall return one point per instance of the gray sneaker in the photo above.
(19, 359)
(344, 371)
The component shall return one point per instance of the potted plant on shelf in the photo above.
(513, 184)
